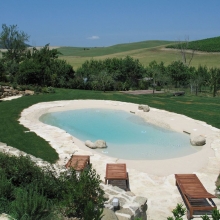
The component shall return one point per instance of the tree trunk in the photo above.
(214, 89)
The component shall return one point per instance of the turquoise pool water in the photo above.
(127, 135)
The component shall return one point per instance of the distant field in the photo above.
(146, 55)
(102, 51)
(207, 45)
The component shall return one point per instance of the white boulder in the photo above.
(145, 108)
(100, 144)
(197, 140)
(90, 144)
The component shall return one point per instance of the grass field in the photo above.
(208, 45)
(144, 51)
(12, 133)
(102, 51)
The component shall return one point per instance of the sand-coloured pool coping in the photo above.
(153, 179)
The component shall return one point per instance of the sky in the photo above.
(101, 23)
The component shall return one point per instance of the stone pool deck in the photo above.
(151, 179)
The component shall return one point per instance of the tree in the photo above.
(133, 70)
(103, 81)
(186, 55)
(159, 75)
(204, 74)
(178, 73)
(198, 78)
(41, 67)
(214, 80)
(14, 41)
(2, 71)
(126, 73)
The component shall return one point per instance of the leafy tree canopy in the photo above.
(14, 41)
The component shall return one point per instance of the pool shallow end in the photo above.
(128, 136)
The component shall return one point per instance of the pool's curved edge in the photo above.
(66, 144)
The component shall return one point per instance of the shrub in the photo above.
(50, 89)
(143, 84)
(158, 88)
(31, 192)
(82, 195)
(178, 213)
(42, 67)
(2, 71)
(21, 170)
(6, 189)
(31, 205)
(215, 215)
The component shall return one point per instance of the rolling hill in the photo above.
(102, 51)
(145, 52)
(207, 45)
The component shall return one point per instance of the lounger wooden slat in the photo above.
(78, 162)
(194, 194)
(116, 172)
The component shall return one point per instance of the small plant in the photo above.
(178, 213)
(215, 215)
(205, 217)
(15, 85)
(38, 89)
(51, 89)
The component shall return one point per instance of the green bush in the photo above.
(20, 170)
(42, 67)
(29, 204)
(6, 189)
(50, 89)
(82, 195)
(143, 84)
(158, 88)
(178, 213)
(2, 71)
(27, 87)
(215, 215)
(31, 192)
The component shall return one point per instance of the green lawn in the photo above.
(12, 133)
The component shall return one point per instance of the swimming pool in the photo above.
(128, 136)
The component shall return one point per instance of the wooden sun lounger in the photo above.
(194, 194)
(78, 162)
(116, 172)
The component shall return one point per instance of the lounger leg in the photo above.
(189, 214)
(126, 185)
